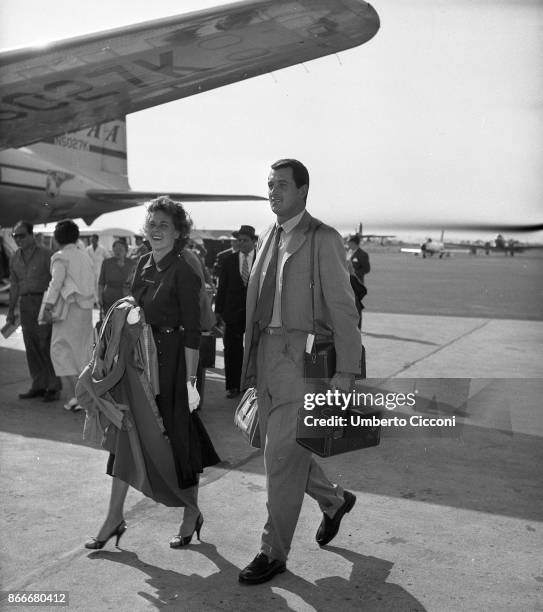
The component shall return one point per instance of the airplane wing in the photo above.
(79, 82)
(135, 197)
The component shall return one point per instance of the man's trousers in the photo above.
(291, 470)
(37, 339)
(233, 354)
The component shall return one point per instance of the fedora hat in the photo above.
(246, 230)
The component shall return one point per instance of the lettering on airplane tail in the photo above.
(71, 142)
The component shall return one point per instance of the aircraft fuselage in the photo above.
(34, 186)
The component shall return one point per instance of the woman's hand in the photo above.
(48, 313)
(193, 395)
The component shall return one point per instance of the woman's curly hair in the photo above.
(179, 216)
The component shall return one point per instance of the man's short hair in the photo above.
(300, 173)
(95, 236)
(29, 227)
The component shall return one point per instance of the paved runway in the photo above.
(446, 519)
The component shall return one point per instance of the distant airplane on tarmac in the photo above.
(431, 247)
(441, 249)
(63, 106)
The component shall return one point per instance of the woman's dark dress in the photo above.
(169, 295)
(115, 280)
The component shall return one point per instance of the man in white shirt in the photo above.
(97, 253)
(230, 305)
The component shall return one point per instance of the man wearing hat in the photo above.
(230, 305)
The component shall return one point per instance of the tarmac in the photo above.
(447, 518)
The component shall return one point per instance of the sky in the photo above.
(437, 119)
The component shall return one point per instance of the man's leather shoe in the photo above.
(51, 395)
(32, 393)
(261, 569)
(329, 527)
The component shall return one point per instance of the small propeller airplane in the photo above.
(63, 106)
(431, 247)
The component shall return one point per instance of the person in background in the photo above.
(29, 278)
(207, 317)
(97, 253)
(115, 276)
(197, 247)
(358, 262)
(4, 262)
(221, 255)
(230, 305)
(68, 306)
(140, 248)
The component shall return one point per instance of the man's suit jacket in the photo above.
(232, 293)
(220, 259)
(335, 310)
(360, 261)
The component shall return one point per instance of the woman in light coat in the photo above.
(68, 305)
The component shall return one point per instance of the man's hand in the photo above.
(220, 320)
(342, 381)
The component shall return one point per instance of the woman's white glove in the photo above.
(133, 316)
(194, 396)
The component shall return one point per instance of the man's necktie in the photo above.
(264, 305)
(245, 270)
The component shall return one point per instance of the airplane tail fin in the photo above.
(98, 152)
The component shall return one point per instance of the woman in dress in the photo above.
(115, 276)
(68, 305)
(167, 288)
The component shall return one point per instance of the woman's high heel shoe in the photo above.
(178, 541)
(95, 544)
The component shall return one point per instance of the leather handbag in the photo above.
(246, 418)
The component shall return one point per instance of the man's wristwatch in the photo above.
(192, 380)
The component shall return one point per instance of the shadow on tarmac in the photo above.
(484, 463)
(366, 589)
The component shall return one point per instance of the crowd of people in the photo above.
(138, 378)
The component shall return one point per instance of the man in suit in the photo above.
(279, 319)
(358, 262)
(222, 255)
(230, 305)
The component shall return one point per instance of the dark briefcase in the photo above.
(335, 439)
(321, 362)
